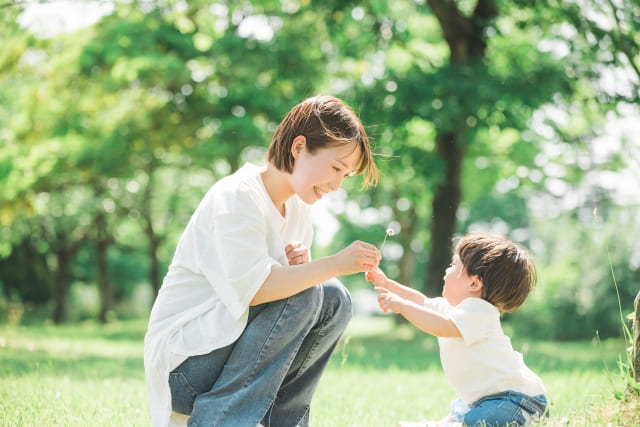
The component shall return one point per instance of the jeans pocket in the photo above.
(533, 405)
(499, 410)
(182, 393)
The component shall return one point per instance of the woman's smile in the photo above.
(319, 192)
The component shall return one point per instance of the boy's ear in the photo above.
(476, 283)
(299, 142)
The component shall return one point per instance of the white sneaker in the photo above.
(178, 420)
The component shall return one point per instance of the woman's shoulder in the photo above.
(239, 192)
(244, 179)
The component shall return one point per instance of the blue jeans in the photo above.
(505, 409)
(269, 374)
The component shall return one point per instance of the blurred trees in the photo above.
(486, 114)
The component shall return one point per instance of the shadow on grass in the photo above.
(20, 363)
(395, 350)
(130, 330)
(370, 346)
(87, 350)
(408, 349)
(562, 356)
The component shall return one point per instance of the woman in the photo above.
(245, 322)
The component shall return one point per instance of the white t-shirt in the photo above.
(482, 362)
(223, 257)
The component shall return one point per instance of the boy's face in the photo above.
(317, 174)
(457, 284)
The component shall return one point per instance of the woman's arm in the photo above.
(420, 316)
(285, 281)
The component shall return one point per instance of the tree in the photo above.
(465, 37)
(143, 111)
(150, 93)
(445, 85)
(198, 107)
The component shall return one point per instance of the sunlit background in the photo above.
(117, 116)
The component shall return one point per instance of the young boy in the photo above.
(489, 275)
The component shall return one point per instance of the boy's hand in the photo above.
(296, 253)
(388, 301)
(377, 278)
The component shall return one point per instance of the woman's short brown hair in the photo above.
(507, 271)
(325, 121)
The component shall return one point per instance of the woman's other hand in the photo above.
(296, 253)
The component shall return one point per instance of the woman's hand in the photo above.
(296, 253)
(356, 258)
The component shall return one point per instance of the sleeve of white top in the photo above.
(438, 304)
(471, 317)
(233, 255)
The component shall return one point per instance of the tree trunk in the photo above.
(444, 207)
(154, 274)
(103, 241)
(65, 251)
(61, 286)
(465, 38)
(152, 239)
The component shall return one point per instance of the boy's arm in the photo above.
(420, 316)
(380, 280)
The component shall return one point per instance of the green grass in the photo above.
(87, 374)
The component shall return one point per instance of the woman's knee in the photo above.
(311, 297)
(337, 301)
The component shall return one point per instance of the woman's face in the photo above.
(317, 174)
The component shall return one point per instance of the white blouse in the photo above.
(482, 362)
(223, 257)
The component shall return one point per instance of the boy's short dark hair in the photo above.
(325, 121)
(507, 271)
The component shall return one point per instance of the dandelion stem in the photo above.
(388, 233)
(384, 241)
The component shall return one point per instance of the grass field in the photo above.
(92, 375)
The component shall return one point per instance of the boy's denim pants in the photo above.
(270, 373)
(506, 409)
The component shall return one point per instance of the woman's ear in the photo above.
(299, 142)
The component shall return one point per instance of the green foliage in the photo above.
(576, 296)
(130, 120)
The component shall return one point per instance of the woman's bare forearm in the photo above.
(285, 281)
